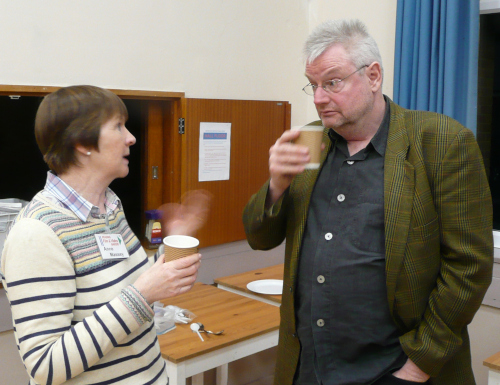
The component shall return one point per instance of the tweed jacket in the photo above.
(438, 241)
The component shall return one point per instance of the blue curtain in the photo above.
(436, 58)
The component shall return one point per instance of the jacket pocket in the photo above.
(426, 231)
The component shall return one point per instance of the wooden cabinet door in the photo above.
(255, 126)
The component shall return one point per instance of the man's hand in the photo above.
(411, 372)
(285, 161)
(187, 217)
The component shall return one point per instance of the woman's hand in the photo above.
(187, 217)
(163, 280)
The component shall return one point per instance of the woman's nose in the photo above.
(130, 138)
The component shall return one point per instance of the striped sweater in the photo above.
(77, 318)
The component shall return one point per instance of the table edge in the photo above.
(197, 354)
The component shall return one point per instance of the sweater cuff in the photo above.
(137, 304)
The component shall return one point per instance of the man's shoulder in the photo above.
(425, 121)
(425, 128)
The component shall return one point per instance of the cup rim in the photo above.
(189, 242)
(308, 128)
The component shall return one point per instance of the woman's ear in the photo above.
(82, 150)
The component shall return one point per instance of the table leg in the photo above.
(494, 377)
(176, 373)
(197, 379)
(222, 374)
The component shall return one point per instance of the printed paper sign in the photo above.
(215, 151)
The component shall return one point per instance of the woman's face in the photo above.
(114, 147)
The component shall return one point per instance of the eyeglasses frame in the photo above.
(332, 83)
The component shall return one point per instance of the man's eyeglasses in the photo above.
(332, 86)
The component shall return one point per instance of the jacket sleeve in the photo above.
(265, 229)
(41, 287)
(463, 203)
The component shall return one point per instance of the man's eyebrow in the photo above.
(330, 74)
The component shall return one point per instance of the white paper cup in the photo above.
(311, 137)
(179, 246)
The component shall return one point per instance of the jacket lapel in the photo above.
(399, 184)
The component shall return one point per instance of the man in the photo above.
(389, 245)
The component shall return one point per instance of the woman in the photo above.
(80, 315)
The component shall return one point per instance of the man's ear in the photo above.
(374, 73)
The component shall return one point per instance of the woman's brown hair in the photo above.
(73, 116)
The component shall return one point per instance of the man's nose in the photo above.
(321, 96)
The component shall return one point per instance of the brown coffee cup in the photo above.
(179, 246)
(311, 137)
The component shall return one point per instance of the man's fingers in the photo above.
(288, 136)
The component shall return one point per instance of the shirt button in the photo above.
(350, 162)
(320, 323)
(320, 279)
(328, 236)
(341, 197)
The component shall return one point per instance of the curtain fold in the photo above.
(436, 57)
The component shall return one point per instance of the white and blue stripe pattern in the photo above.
(77, 318)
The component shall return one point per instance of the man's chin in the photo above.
(331, 123)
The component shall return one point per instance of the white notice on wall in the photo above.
(215, 151)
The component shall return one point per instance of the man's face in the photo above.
(346, 108)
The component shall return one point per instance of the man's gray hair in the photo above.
(351, 34)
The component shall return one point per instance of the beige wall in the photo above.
(485, 340)
(247, 49)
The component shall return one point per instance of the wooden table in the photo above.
(249, 327)
(237, 283)
(493, 363)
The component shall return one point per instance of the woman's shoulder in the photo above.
(42, 209)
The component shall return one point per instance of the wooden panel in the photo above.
(172, 151)
(255, 126)
(153, 156)
(7, 89)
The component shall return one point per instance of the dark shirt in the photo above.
(344, 326)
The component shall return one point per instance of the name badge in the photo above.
(111, 246)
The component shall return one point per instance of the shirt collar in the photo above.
(379, 140)
(73, 201)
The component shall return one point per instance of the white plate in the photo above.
(267, 286)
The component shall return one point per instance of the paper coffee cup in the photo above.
(179, 246)
(311, 137)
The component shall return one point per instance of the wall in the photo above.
(485, 340)
(247, 49)
(208, 49)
